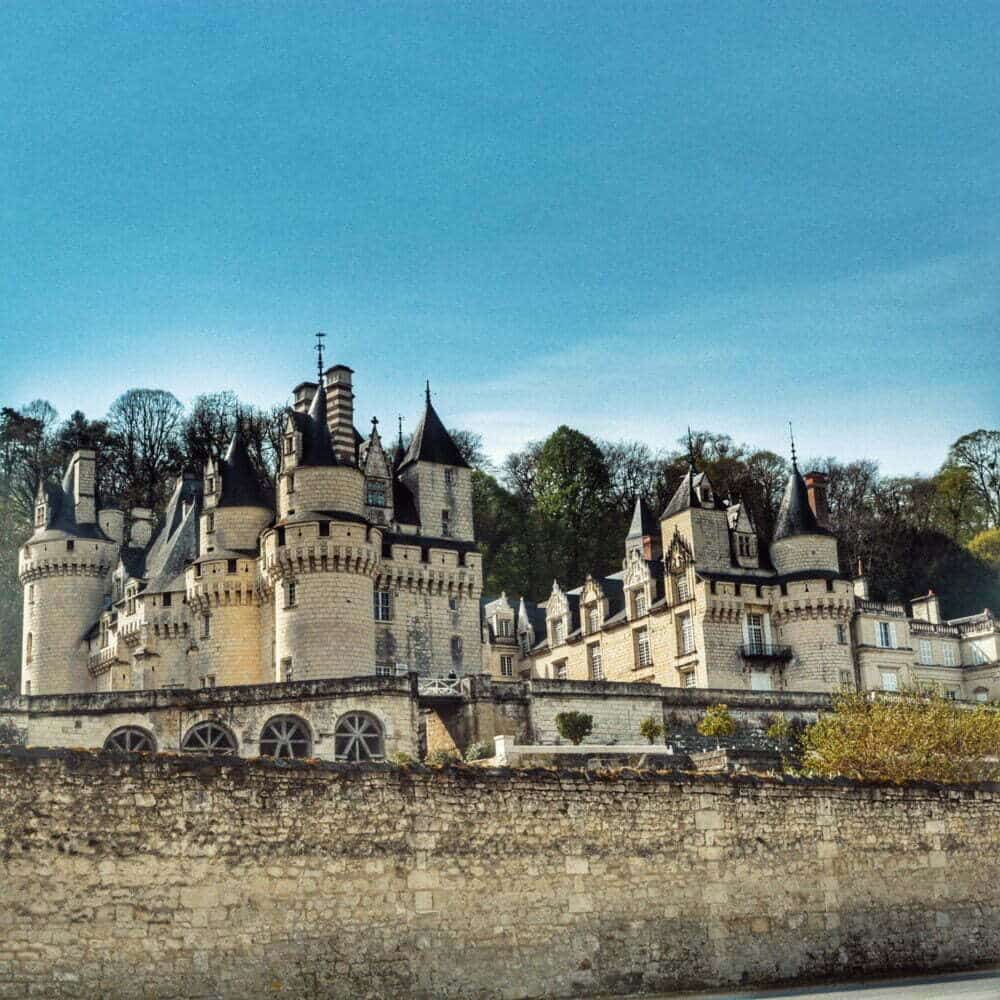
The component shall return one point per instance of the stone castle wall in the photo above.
(181, 877)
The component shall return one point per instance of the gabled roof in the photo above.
(61, 521)
(240, 483)
(795, 516)
(432, 443)
(643, 521)
(685, 496)
(176, 544)
(317, 448)
(404, 507)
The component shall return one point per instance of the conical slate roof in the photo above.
(241, 485)
(795, 516)
(685, 496)
(432, 443)
(643, 522)
(317, 448)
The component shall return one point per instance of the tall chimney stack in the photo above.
(302, 395)
(340, 412)
(816, 489)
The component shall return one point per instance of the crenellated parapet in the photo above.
(329, 546)
(831, 607)
(41, 560)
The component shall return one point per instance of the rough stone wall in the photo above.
(805, 552)
(435, 491)
(176, 877)
(617, 709)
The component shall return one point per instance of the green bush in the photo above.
(717, 722)
(401, 759)
(780, 729)
(478, 751)
(651, 730)
(442, 758)
(574, 726)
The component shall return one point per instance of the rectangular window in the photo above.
(683, 587)
(383, 606)
(926, 656)
(640, 603)
(596, 661)
(505, 628)
(842, 635)
(755, 632)
(760, 680)
(286, 669)
(593, 620)
(208, 681)
(890, 680)
(507, 666)
(209, 523)
(689, 679)
(453, 604)
(206, 626)
(27, 687)
(559, 670)
(643, 651)
(289, 445)
(290, 483)
(210, 485)
(39, 515)
(70, 545)
(324, 529)
(449, 478)
(558, 632)
(685, 629)
(446, 523)
(290, 594)
(456, 647)
(885, 635)
(951, 694)
(230, 565)
(168, 600)
(845, 679)
(281, 536)
(949, 658)
(31, 593)
(375, 493)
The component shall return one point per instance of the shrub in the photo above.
(717, 722)
(574, 726)
(780, 729)
(478, 751)
(913, 737)
(442, 758)
(651, 730)
(401, 759)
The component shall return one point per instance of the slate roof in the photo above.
(795, 516)
(403, 504)
(643, 521)
(432, 443)
(686, 494)
(317, 448)
(61, 521)
(241, 486)
(176, 543)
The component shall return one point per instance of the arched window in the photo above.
(358, 737)
(209, 737)
(285, 736)
(130, 739)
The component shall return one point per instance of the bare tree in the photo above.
(979, 452)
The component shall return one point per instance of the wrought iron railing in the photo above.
(880, 608)
(439, 687)
(765, 651)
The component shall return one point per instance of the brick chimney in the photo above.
(340, 412)
(816, 489)
(84, 502)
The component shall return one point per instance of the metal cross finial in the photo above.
(374, 426)
(791, 436)
(320, 337)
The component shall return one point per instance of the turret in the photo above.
(221, 582)
(318, 560)
(439, 478)
(643, 533)
(800, 544)
(63, 568)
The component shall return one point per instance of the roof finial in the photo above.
(690, 448)
(428, 392)
(374, 426)
(400, 416)
(791, 436)
(320, 337)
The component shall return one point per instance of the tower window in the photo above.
(375, 493)
(210, 485)
(281, 536)
(453, 604)
(29, 647)
(456, 647)
(230, 565)
(39, 515)
(290, 483)
(383, 606)
(446, 523)
(167, 600)
(324, 529)
(507, 666)
(685, 635)
(70, 545)
(842, 635)
(206, 626)
(290, 596)
(209, 523)
(31, 593)
(449, 478)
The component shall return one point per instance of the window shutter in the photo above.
(892, 634)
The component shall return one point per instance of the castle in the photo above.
(364, 565)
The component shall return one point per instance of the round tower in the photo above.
(318, 562)
(801, 544)
(222, 591)
(63, 569)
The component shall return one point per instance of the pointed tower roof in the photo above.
(239, 480)
(400, 452)
(643, 521)
(685, 496)
(431, 441)
(795, 516)
(317, 448)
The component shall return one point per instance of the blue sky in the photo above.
(625, 217)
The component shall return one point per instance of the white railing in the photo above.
(506, 752)
(440, 686)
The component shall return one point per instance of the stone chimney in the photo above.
(303, 396)
(84, 501)
(340, 412)
(927, 608)
(141, 531)
(860, 582)
(816, 489)
(112, 523)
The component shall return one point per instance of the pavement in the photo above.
(981, 985)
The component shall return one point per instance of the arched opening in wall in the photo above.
(130, 739)
(285, 736)
(209, 737)
(358, 737)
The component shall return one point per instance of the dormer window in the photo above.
(639, 605)
(558, 632)
(593, 619)
(505, 628)
(375, 493)
(40, 515)
(289, 444)
(682, 587)
(210, 485)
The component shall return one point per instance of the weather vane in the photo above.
(791, 437)
(320, 337)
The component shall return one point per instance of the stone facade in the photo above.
(229, 878)
(363, 563)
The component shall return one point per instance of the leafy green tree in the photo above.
(986, 547)
(717, 721)
(979, 452)
(574, 726)
(651, 730)
(915, 737)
